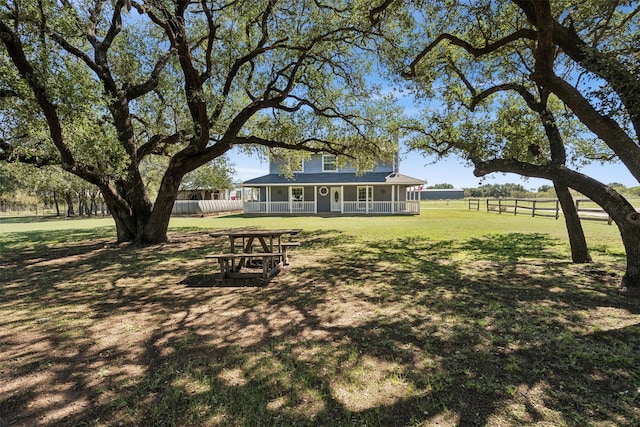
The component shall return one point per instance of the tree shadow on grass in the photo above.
(43, 239)
(400, 332)
(512, 247)
(214, 281)
(31, 219)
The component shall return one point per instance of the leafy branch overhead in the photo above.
(534, 88)
(116, 86)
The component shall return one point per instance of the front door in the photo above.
(336, 199)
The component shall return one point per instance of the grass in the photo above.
(454, 317)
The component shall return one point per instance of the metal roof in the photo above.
(334, 178)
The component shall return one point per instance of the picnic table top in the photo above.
(247, 232)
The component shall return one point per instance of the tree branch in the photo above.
(75, 52)
(522, 33)
(528, 97)
(622, 80)
(603, 126)
(152, 146)
(327, 146)
(18, 57)
(610, 200)
(210, 39)
(374, 14)
(8, 154)
(141, 89)
(8, 93)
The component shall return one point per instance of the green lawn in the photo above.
(453, 317)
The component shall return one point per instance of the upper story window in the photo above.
(329, 163)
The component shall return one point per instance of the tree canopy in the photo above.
(528, 87)
(104, 87)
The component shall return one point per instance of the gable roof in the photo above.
(334, 178)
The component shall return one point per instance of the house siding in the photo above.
(324, 203)
(314, 165)
(389, 191)
(280, 194)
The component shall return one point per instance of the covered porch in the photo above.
(370, 199)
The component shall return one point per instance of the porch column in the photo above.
(342, 199)
(393, 202)
(268, 191)
(315, 199)
(290, 200)
(366, 209)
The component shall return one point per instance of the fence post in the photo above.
(515, 207)
(500, 206)
(487, 205)
(533, 209)
(557, 209)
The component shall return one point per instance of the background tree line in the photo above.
(26, 187)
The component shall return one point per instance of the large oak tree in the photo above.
(583, 53)
(102, 87)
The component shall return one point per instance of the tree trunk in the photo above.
(155, 230)
(69, 199)
(128, 204)
(579, 250)
(93, 204)
(625, 217)
(630, 231)
(80, 205)
(122, 215)
(55, 202)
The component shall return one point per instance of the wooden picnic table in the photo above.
(273, 252)
(268, 239)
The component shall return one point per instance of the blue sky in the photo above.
(451, 171)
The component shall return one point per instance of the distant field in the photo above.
(450, 318)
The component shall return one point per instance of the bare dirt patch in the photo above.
(100, 334)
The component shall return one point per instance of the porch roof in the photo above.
(334, 178)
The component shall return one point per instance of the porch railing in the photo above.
(279, 207)
(380, 208)
(349, 207)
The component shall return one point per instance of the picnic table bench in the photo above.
(273, 252)
(285, 246)
(229, 269)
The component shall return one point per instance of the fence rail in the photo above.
(539, 207)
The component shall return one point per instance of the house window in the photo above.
(365, 193)
(329, 163)
(297, 194)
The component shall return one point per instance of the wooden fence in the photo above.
(540, 207)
